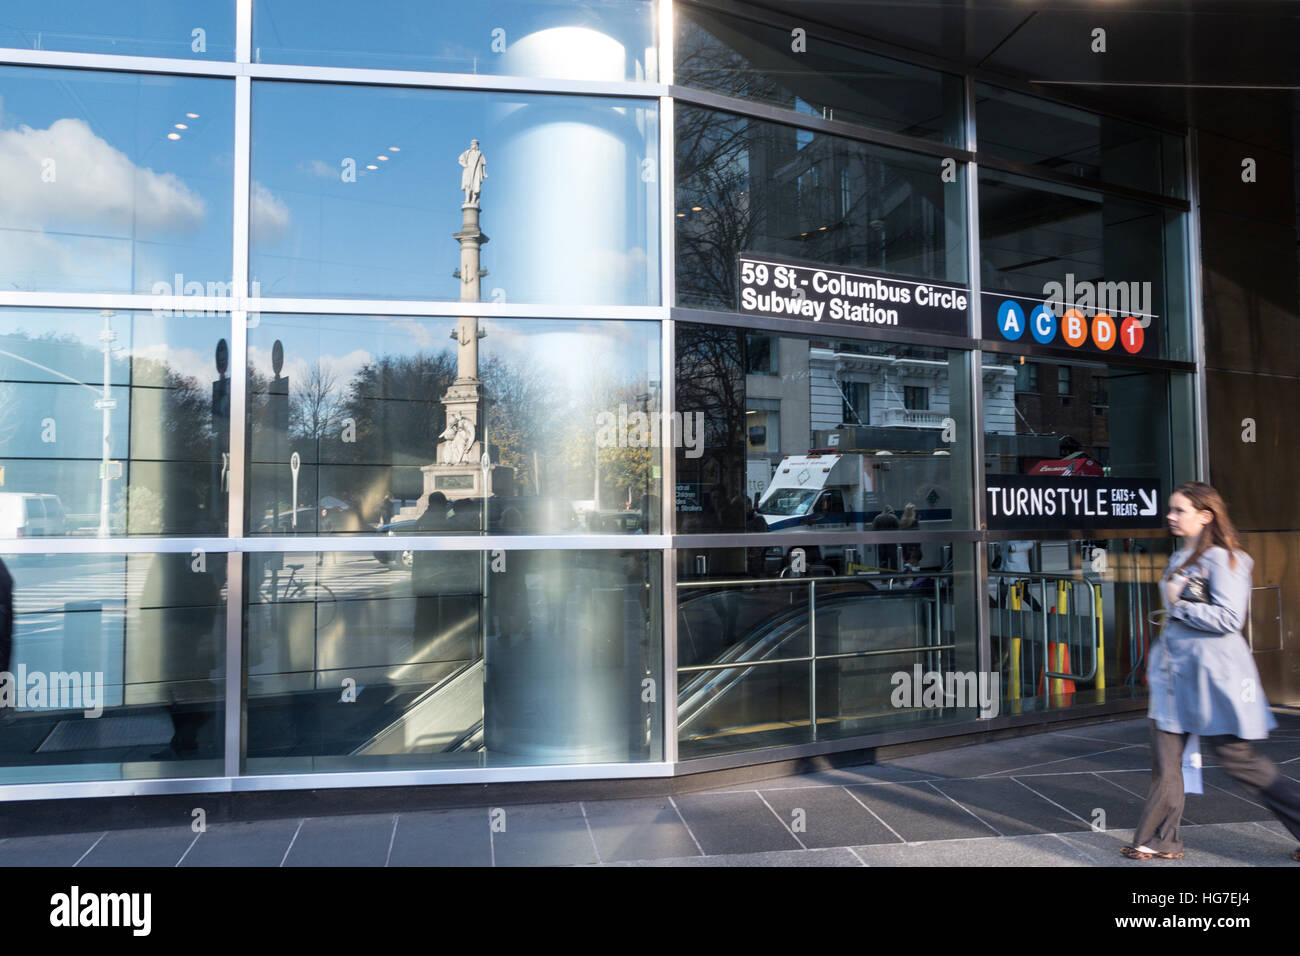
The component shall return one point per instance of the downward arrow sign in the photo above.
(1149, 501)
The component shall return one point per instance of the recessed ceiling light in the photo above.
(173, 135)
(696, 208)
(681, 215)
(371, 166)
(821, 228)
(192, 115)
(181, 126)
(394, 149)
(382, 159)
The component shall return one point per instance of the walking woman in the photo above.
(1202, 677)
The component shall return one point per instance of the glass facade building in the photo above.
(383, 398)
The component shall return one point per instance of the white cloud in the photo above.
(343, 367)
(32, 260)
(67, 174)
(268, 214)
(320, 168)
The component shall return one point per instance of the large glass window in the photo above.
(843, 462)
(118, 421)
(470, 659)
(1086, 250)
(1078, 608)
(117, 668)
(1063, 139)
(368, 204)
(758, 658)
(745, 185)
(519, 426)
(755, 61)
(117, 183)
(592, 40)
(1065, 432)
(198, 29)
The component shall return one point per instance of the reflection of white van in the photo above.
(29, 515)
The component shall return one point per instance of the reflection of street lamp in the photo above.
(106, 405)
(105, 402)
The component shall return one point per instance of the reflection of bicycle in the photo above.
(294, 588)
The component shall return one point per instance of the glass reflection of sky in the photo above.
(442, 37)
(126, 27)
(388, 234)
(67, 341)
(98, 197)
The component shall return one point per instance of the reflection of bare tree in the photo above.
(520, 419)
(707, 63)
(315, 410)
(713, 174)
(711, 380)
(746, 185)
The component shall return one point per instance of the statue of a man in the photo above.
(475, 171)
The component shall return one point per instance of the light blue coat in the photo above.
(1200, 672)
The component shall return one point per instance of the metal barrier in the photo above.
(1067, 613)
(932, 649)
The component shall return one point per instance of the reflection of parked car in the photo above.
(312, 519)
(30, 515)
(618, 522)
(405, 526)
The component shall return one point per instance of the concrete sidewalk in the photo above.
(1028, 801)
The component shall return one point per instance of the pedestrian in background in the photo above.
(1202, 678)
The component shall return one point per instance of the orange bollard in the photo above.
(1059, 655)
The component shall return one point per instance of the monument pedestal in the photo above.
(468, 480)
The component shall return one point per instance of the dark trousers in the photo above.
(1159, 826)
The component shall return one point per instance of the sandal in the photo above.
(1133, 853)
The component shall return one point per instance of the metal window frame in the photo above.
(665, 92)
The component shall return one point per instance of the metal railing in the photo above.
(932, 649)
(1066, 611)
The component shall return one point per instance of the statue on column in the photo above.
(475, 171)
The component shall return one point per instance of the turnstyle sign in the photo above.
(1044, 502)
(783, 289)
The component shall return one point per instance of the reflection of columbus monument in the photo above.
(464, 466)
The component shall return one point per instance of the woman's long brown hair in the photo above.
(1219, 532)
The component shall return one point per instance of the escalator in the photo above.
(446, 718)
(745, 692)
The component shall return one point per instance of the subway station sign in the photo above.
(1113, 317)
(782, 289)
(1048, 502)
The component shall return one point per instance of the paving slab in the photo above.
(725, 823)
(828, 817)
(60, 849)
(552, 834)
(358, 840)
(841, 856)
(259, 843)
(443, 838)
(642, 829)
(1008, 807)
(1032, 850)
(917, 811)
(1215, 844)
(1083, 794)
(163, 846)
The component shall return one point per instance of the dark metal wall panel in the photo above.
(1249, 279)
(1277, 566)
(1259, 479)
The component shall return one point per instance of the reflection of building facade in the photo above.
(593, 600)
